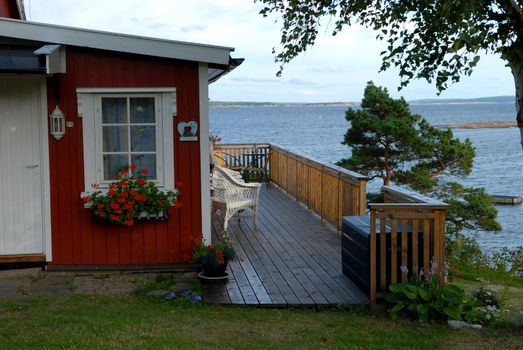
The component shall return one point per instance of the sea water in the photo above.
(318, 132)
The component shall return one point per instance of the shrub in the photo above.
(425, 298)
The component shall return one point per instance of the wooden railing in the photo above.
(419, 223)
(414, 223)
(330, 191)
(242, 155)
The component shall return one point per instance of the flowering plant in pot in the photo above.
(213, 258)
(214, 138)
(130, 197)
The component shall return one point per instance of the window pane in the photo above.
(115, 139)
(142, 110)
(113, 163)
(114, 110)
(145, 161)
(143, 139)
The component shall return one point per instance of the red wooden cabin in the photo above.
(103, 83)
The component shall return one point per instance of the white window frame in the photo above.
(89, 109)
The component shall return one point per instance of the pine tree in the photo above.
(390, 143)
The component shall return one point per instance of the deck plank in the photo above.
(321, 262)
(290, 258)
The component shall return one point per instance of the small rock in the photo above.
(179, 287)
(196, 299)
(157, 293)
(169, 296)
(184, 293)
(453, 324)
(190, 275)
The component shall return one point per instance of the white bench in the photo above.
(232, 196)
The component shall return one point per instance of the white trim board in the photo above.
(54, 34)
(205, 180)
(46, 179)
(88, 104)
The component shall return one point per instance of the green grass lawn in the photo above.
(138, 322)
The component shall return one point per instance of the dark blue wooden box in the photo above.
(355, 251)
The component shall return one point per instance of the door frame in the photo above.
(44, 158)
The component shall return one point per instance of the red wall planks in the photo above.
(9, 9)
(76, 238)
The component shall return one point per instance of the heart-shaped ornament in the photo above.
(188, 129)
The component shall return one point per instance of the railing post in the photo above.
(373, 261)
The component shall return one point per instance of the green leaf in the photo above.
(425, 294)
(411, 292)
(397, 288)
(453, 312)
(397, 307)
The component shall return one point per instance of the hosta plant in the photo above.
(424, 297)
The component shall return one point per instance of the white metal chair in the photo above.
(233, 196)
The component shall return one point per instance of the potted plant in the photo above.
(213, 258)
(131, 196)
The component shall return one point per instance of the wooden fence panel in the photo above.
(303, 182)
(410, 221)
(330, 191)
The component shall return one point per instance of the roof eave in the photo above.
(49, 33)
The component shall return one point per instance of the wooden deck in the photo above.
(291, 258)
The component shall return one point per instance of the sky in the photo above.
(335, 69)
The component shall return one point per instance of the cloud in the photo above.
(245, 79)
(301, 82)
(193, 28)
(148, 22)
(324, 70)
(279, 81)
(308, 92)
(335, 69)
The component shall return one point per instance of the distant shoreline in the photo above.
(426, 102)
(482, 125)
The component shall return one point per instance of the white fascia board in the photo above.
(205, 179)
(50, 33)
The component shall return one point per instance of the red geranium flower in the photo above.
(219, 254)
(100, 206)
(111, 192)
(118, 211)
(144, 171)
(114, 176)
(115, 217)
(123, 171)
(133, 167)
(102, 214)
(114, 205)
(123, 183)
(129, 205)
(87, 199)
(124, 194)
(211, 247)
(140, 182)
(186, 257)
(121, 200)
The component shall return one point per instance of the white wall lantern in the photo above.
(57, 123)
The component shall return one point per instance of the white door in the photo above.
(21, 181)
